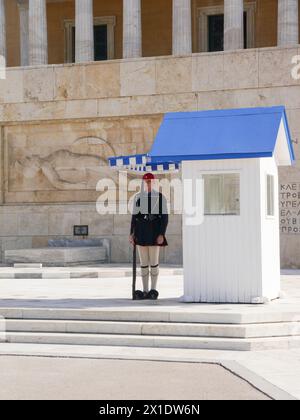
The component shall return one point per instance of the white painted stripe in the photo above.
(120, 162)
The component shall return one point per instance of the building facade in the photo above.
(70, 99)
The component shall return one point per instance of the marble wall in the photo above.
(60, 123)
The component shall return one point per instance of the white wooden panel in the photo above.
(270, 233)
(223, 256)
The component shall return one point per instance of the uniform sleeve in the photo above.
(164, 215)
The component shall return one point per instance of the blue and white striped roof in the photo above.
(141, 164)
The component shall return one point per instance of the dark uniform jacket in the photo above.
(149, 218)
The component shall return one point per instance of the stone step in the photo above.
(13, 273)
(154, 328)
(28, 265)
(254, 344)
(139, 312)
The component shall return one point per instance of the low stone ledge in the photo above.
(55, 256)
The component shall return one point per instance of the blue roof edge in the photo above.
(289, 137)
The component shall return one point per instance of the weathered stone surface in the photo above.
(121, 251)
(81, 109)
(138, 77)
(208, 72)
(290, 96)
(38, 84)
(275, 67)
(63, 223)
(15, 242)
(102, 80)
(122, 225)
(289, 246)
(33, 224)
(69, 82)
(173, 252)
(9, 224)
(241, 70)
(141, 105)
(181, 102)
(38, 111)
(39, 242)
(174, 75)
(11, 88)
(101, 225)
(113, 107)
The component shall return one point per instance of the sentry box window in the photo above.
(270, 196)
(81, 230)
(222, 194)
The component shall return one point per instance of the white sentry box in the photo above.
(233, 255)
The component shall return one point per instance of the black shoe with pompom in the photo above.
(139, 295)
(153, 295)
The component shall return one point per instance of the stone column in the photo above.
(233, 25)
(24, 32)
(84, 30)
(132, 29)
(288, 22)
(182, 27)
(38, 41)
(2, 29)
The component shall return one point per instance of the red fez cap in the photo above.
(148, 177)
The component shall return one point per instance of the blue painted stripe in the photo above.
(128, 160)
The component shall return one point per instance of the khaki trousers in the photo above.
(149, 257)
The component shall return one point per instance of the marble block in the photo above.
(57, 256)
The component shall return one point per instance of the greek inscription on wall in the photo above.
(289, 202)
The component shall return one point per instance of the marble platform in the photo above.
(57, 256)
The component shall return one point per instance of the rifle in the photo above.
(134, 273)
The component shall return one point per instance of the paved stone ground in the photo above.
(270, 368)
(27, 378)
